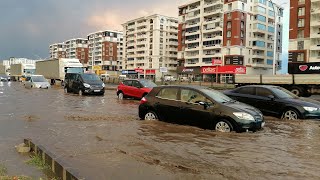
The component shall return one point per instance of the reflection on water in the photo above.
(102, 137)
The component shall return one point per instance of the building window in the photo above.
(300, 45)
(229, 7)
(300, 57)
(228, 34)
(242, 25)
(242, 34)
(229, 15)
(229, 24)
(301, 11)
(301, 23)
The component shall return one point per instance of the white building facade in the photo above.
(150, 42)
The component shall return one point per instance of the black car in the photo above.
(83, 83)
(276, 101)
(199, 106)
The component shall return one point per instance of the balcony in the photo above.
(213, 11)
(209, 38)
(315, 23)
(212, 46)
(172, 49)
(192, 9)
(192, 49)
(259, 65)
(215, 29)
(315, 35)
(315, 11)
(192, 41)
(189, 25)
(192, 16)
(258, 56)
(172, 68)
(173, 43)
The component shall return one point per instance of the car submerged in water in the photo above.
(36, 81)
(199, 106)
(83, 83)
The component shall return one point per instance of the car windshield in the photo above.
(90, 77)
(283, 93)
(147, 83)
(217, 96)
(38, 79)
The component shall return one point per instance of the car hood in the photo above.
(241, 107)
(94, 83)
(304, 102)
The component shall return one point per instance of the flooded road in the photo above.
(102, 138)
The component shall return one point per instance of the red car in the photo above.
(136, 88)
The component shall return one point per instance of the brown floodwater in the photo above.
(103, 138)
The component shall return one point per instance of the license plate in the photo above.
(96, 90)
(262, 124)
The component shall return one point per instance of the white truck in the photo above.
(19, 70)
(299, 84)
(3, 70)
(55, 69)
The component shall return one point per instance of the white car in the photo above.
(37, 81)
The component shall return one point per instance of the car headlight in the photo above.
(310, 109)
(103, 85)
(86, 85)
(37, 85)
(244, 116)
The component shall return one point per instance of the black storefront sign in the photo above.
(304, 68)
(187, 70)
(233, 60)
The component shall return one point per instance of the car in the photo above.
(83, 83)
(4, 79)
(134, 88)
(276, 101)
(199, 106)
(36, 81)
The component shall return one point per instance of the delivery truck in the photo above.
(3, 70)
(18, 71)
(300, 84)
(55, 69)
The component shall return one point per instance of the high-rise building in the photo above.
(304, 45)
(105, 48)
(150, 42)
(57, 50)
(77, 49)
(220, 38)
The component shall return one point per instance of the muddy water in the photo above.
(102, 138)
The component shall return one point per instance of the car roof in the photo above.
(262, 86)
(185, 86)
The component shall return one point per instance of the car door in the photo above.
(192, 112)
(265, 102)
(167, 105)
(244, 94)
(136, 89)
(76, 82)
(127, 88)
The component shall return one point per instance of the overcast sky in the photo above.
(28, 27)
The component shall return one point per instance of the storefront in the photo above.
(132, 74)
(189, 74)
(221, 74)
(146, 74)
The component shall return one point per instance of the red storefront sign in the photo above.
(148, 71)
(216, 61)
(224, 70)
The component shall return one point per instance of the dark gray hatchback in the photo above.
(199, 106)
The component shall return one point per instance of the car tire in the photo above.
(80, 93)
(298, 91)
(223, 126)
(120, 96)
(150, 116)
(290, 114)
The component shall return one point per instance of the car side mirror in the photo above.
(271, 97)
(204, 104)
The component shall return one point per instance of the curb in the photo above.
(60, 168)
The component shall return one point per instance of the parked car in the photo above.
(4, 78)
(83, 83)
(276, 101)
(199, 106)
(36, 81)
(136, 88)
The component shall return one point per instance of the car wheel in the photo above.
(290, 114)
(150, 116)
(297, 91)
(120, 95)
(80, 93)
(223, 126)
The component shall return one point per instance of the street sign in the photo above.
(163, 69)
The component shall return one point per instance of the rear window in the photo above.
(245, 90)
(168, 93)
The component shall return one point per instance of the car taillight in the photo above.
(143, 100)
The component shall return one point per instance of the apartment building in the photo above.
(304, 45)
(105, 49)
(220, 38)
(150, 42)
(57, 50)
(77, 49)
